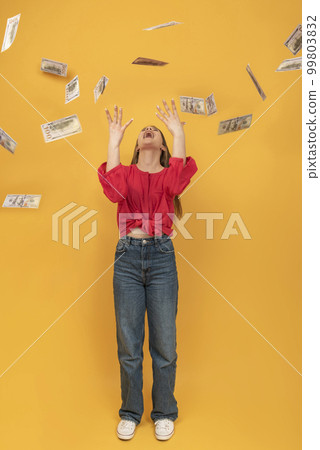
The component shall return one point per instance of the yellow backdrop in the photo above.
(238, 380)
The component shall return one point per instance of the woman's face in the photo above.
(150, 137)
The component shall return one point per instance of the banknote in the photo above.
(61, 128)
(290, 64)
(11, 31)
(294, 41)
(21, 201)
(235, 124)
(148, 62)
(192, 105)
(211, 105)
(255, 82)
(99, 89)
(7, 142)
(162, 25)
(72, 90)
(55, 67)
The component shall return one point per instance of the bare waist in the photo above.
(138, 233)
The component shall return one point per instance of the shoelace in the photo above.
(165, 423)
(126, 423)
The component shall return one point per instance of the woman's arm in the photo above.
(113, 156)
(112, 174)
(181, 168)
(116, 132)
(179, 147)
(175, 127)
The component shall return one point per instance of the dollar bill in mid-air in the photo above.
(61, 128)
(148, 62)
(72, 90)
(192, 105)
(21, 201)
(99, 88)
(294, 41)
(7, 142)
(235, 124)
(55, 67)
(290, 64)
(162, 25)
(11, 31)
(255, 82)
(211, 105)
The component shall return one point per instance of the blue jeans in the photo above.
(145, 278)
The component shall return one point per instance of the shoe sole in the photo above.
(164, 438)
(125, 437)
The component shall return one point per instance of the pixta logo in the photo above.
(75, 225)
(143, 220)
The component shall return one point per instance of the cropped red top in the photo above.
(145, 199)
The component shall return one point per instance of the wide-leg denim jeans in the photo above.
(146, 279)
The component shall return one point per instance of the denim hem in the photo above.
(164, 417)
(129, 418)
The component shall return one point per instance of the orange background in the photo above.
(234, 389)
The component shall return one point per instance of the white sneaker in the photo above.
(126, 429)
(164, 429)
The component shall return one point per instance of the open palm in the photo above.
(116, 129)
(171, 118)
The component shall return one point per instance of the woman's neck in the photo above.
(149, 161)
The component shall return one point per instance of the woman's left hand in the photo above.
(171, 119)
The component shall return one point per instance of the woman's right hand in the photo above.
(116, 131)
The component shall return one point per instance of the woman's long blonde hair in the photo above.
(164, 161)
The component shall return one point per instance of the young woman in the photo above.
(145, 273)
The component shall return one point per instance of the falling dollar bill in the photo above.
(211, 105)
(7, 142)
(255, 82)
(11, 31)
(61, 128)
(290, 64)
(72, 89)
(294, 41)
(238, 123)
(162, 25)
(148, 62)
(21, 201)
(99, 89)
(192, 105)
(55, 67)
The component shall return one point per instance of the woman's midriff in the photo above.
(136, 232)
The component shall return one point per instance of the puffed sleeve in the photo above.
(114, 182)
(178, 175)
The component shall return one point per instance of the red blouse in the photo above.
(145, 199)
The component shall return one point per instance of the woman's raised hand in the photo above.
(171, 119)
(116, 130)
